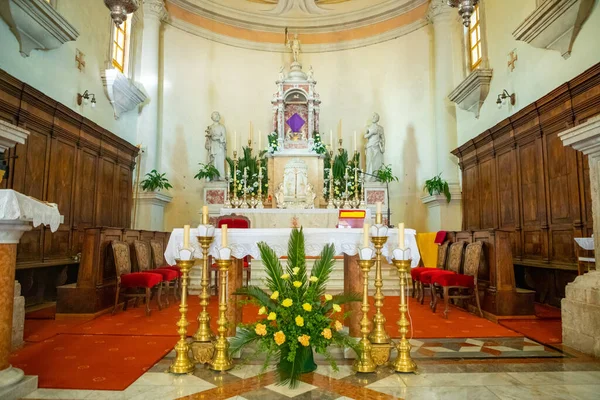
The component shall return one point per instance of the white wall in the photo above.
(55, 72)
(391, 78)
(537, 71)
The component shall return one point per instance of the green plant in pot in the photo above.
(437, 185)
(208, 172)
(154, 180)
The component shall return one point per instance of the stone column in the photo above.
(447, 65)
(353, 282)
(580, 309)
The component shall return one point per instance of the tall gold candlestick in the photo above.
(365, 363)
(330, 204)
(260, 178)
(356, 201)
(221, 360)
(379, 337)
(403, 362)
(182, 363)
(203, 346)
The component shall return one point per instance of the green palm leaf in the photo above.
(322, 269)
(244, 337)
(258, 294)
(296, 254)
(342, 298)
(273, 267)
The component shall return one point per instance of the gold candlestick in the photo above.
(364, 362)
(182, 363)
(356, 201)
(379, 337)
(203, 346)
(403, 362)
(221, 360)
(330, 204)
(260, 176)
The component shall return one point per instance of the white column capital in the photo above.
(439, 11)
(584, 137)
(155, 9)
(11, 231)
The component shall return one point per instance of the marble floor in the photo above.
(573, 376)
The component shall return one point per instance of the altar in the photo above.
(279, 218)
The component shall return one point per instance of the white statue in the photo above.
(216, 144)
(375, 147)
(294, 44)
(281, 74)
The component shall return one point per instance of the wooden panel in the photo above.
(104, 201)
(487, 199)
(471, 198)
(86, 189)
(507, 195)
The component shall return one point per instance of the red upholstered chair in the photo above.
(158, 256)
(415, 273)
(462, 286)
(232, 221)
(136, 280)
(454, 263)
(143, 255)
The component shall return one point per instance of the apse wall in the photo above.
(392, 78)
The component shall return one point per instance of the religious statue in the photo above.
(375, 147)
(216, 144)
(281, 74)
(293, 44)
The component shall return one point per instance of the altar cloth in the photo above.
(243, 242)
(287, 218)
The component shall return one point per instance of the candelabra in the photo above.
(203, 346)
(346, 203)
(227, 203)
(364, 362)
(362, 203)
(330, 204)
(182, 363)
(378, 336)
(356, 202)
(340, 148)
(221, 360)
(403, 362)
(236, 202)
(245, 195)
(260, 176)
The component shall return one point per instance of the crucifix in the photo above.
(512, 61)
(79, 59)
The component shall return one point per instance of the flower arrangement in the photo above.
(385, 175)
(298, 315)
(273, 144)
(249, 161)
(343, 167)
(318, 145)
(207, 171)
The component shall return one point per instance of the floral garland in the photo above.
(318, 145)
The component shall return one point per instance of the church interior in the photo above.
(298, 199)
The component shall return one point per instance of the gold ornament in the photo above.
(204, 334)
(403, 362)
(182, 363)
(364, 362)
(378, 334)
(221, 360)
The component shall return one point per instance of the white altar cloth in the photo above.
(243, 242)
(285, 218)
(16, 207)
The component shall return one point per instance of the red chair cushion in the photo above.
(141, 279)
(172, 268)
(416, 272)
(167, 274)
(454, 280)
(234, 223)
(427, 276)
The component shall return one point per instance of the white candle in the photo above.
(223, 235)
(366, 234)
(401, 235)
(378, 208)
(340, 130)
(259, 140)
(205, 215)
(251, 132)
(331, 138)
(235, 141)
(186, 236)
(355, 141)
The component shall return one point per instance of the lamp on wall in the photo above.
(85, 98)
(502, 99)
(466, 8)
(120, 8)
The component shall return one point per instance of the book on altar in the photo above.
(351, 218)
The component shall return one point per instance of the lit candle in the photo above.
(259, 140)
(186, 236)
(401, 235)
(223, 235)
(366, 234)
(205, 215)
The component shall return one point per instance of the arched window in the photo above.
(475, 48)
(119, 45)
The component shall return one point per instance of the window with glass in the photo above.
(119, 45)
(475, 39)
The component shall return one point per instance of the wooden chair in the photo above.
(133, 280)
(586, 257)
(143, 255)
(415, 273)
(462, 286)
(453, 264)
(158, 256)
(236, 222)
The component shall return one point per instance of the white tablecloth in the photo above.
(277, 218)
(15, 206)
(243, 242)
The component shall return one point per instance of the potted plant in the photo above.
(437, 185)
(208, 172)
(385, 175)
(297, 315)
(155, 181)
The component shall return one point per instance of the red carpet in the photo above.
(38, 330)
(43, 313)
(545, 311)
(546, 328)
(91, 362)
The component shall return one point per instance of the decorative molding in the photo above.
(11, 231)
(555, 24)
(472, 92)
(440, 9)
(153, 198)
(10, 135)
(584, 137)
(156, 9)
(36, 25)
(437, 200)
(306, 48)
(124, 95)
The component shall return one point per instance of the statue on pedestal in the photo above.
(293, 44)
(216, 144)
(375, 147)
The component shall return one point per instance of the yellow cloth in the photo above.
(427, 248)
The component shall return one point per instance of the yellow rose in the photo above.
(287, 303)
(275, 295)
(272, 316)
(304, 340)
(328, 297)
(285, 276)
(299, 321)
(262, 311)
(313, 279)
(279, 338)
(326, 333)
(338, 326)
(261, 329)
(337, 308)
(307, 307)
(297, 284)
(295, 270)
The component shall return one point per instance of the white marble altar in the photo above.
(289, 218)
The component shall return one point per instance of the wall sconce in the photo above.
(85, 98)
(502, 99)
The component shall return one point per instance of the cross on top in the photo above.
(79, 59)
(512, 61)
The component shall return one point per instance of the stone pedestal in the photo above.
(18, 320)
(580, 312)
(444, 215)
(214, 195)
(151, 210)
(373, 193)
